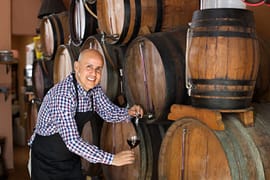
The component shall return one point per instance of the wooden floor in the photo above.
(20, 171)
(20, 164)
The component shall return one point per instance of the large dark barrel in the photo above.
(91, 131)
(154, 72)
(223, 58)
(199, 152)
(114, 139)
(64, 60)
(262, 87)
(32, 113)
(81, 23)
(113, 56)
(42, 77)
(54, 30)
(128, 19)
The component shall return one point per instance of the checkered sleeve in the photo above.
(106, 109)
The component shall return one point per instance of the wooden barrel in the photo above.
(42, 77)
(32, 113)
(262, 87)
(238, 152)
(128, 19)
(222, 58)
(91, 131)
(64, 60)
(81, 23)
(67, 4)
(154, 72)
(113, 55)
(114, 139)
(54, 30)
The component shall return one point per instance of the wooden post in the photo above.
(246, 116)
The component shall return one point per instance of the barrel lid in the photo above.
(244, 17)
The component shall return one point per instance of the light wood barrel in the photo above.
(154, 72)
(113, 57)
(236, 153)
(128, 19)
(81, 23)
(64, 60)
(223, 58)
(54, 30)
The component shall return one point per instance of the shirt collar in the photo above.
(84, 92)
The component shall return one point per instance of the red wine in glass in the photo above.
(133, 141)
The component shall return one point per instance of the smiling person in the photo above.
(56, 144)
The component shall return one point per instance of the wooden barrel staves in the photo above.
(54, 31)
(64, 60)
(90, 132)
(114, 139)
(113, 57)
(32, 112)
(125, 20)
(154, 72)
(81, 23)
(222, 58)
(42, 77)
(262, 87)
(236, 153)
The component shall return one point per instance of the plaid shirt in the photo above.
(57, 112)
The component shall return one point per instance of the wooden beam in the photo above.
(246, 116)
(212, 118)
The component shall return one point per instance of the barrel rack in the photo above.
(212, 118)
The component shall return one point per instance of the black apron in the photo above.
(50, 158)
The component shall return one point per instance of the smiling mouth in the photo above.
(91, 79)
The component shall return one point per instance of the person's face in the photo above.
(89, 70)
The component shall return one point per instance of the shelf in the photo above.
(8, 63)
(5, 91)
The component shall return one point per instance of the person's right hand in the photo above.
(123, 158)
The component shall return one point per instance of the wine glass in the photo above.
(133, 141)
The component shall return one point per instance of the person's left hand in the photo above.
(136, 110)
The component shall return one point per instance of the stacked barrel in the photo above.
(222, 64)
(160, 53)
